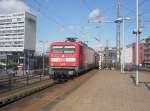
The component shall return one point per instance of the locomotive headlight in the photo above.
(55, 59)
(51, 72)
(70, 59)
(70, 72)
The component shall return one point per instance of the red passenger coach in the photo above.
(67, 59)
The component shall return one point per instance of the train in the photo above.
(68, 59)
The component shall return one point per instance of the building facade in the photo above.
(17, 35)
(130, 54)
(109, 57)
(147, 52)
(128, 57)
(141, 53)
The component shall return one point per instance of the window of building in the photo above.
(12, 31)
(18, 42)
(5, 21)
(19, 19)
(21, 14)
(20, 45)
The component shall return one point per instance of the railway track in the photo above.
(14, 95)
(47, 98)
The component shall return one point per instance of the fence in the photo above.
(10, 81)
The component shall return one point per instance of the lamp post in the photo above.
(137, 41)
(43, 51)
(122, 20)
(42, 43)
(137, 31)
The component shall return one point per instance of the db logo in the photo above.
(62, 64)
(63, 59)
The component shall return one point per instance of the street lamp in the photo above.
(122, 20)
(43, 51)
(43, 55)
(137, 41)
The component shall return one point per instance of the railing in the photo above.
(12, 80)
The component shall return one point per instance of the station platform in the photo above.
(108, 91)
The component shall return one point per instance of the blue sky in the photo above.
(73, 15)
(58, 19)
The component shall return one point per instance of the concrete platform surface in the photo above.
(108, 91)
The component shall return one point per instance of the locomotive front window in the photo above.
(57, 49)
(69, 49)
(63, 49)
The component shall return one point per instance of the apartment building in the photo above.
(147, 52)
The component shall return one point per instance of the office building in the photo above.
(17, 35)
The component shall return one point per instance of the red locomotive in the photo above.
(67, 59)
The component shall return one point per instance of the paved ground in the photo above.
(49, 97)
(109, 91)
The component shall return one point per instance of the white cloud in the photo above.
(95, 15)
(9, 6)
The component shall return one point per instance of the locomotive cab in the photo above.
(63, 59)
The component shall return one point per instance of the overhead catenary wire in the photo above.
(49, 17)
(143, 2)
(52, 19)
(86, 5)
(63, 26)
(106, 10)
(55, 15)
(145, 12)
(132, 11)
